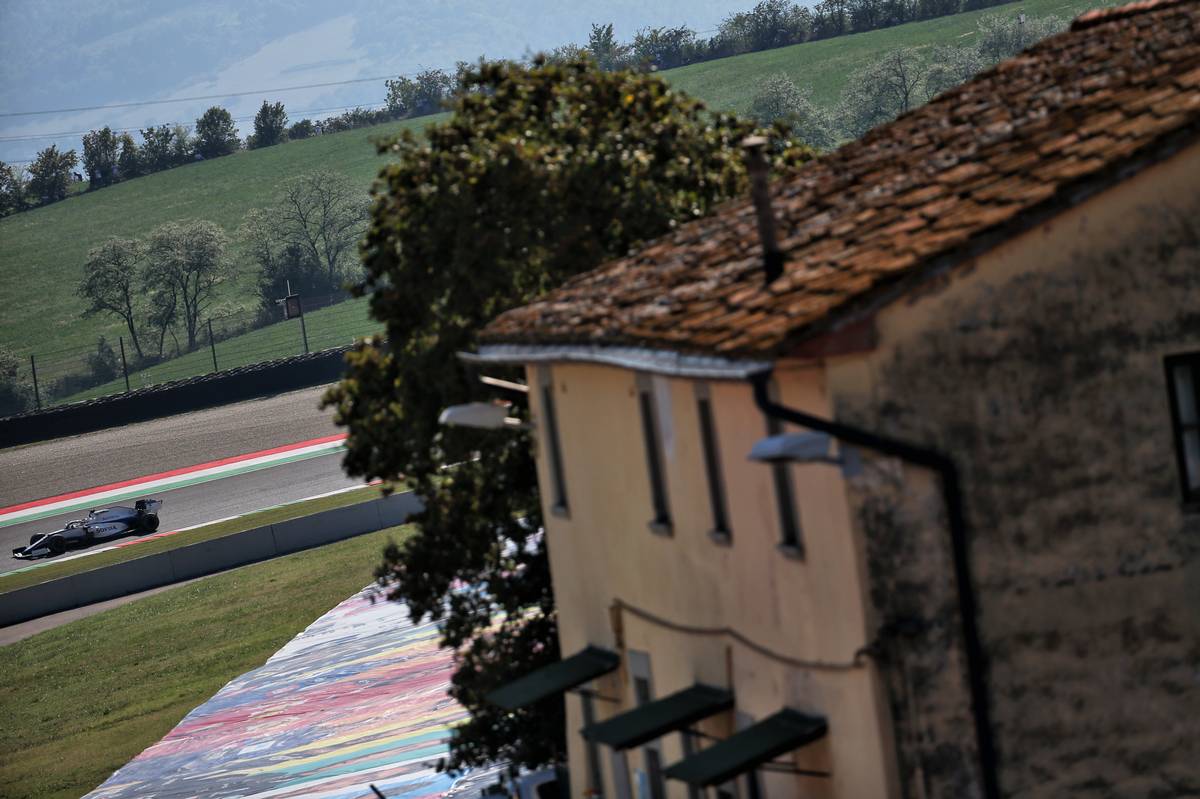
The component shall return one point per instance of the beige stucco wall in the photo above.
(809, 609)
(1039, 368)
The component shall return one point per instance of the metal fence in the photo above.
(112, 366)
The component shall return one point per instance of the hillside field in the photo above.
(42, 252)
(334, 326)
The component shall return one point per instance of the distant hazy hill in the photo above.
(72, 54)
(42, 251)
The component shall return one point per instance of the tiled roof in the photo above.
(980, 161)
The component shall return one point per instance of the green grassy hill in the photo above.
(824, 66)
(42, 251)
(335, 326)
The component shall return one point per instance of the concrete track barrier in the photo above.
(218, 554)
(309, 531)
(205, 557)
(112, 581)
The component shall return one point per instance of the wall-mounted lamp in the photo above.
(507, 385)
(483, 415)
(808, 447)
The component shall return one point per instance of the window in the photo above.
(643, 692)
(595, 781)
(689, 749)
(620, 768)
(552, 444)
(1183, 379)
(789, 524)
(661, 523)
(712, 464)
(753, 788)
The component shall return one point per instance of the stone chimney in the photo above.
(756, 165)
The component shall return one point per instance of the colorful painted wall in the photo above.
(357, 698)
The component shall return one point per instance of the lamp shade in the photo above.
(807, 447)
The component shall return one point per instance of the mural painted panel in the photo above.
(358, 698)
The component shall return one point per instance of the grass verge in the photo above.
(11, 582)
(81, 700)
(335, 326)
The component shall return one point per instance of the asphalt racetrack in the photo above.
(109, 456)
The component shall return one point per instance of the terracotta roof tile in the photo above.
(1011, 142)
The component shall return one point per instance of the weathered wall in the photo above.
(1040, 370)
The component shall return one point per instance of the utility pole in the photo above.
(37, 396)
(212, 345)
(124, 365)
(293, 307)
(303, 328)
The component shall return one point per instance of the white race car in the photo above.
(98, 525)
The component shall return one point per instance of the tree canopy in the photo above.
(16, 392)
(215, 133)
(186, 264)
(541, 173)
(12, 190)
(779, 98)
(423, 94)
(307, 238)
(50, 174)
(270, 126)
(100, 153)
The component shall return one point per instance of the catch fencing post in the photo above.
(303, 329)
(37, 395)
(124, 365)
(292, 306)
(212, 345)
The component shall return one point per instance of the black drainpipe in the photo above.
(952, 496)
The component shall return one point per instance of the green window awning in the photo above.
(562, 676)
(655, 719)
(744, 751)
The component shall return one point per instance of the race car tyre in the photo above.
(56, 545)
(33, 539)
(149, 523)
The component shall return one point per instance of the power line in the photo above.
(140, 103)
(74, 133)
(222, 96)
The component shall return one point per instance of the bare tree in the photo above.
(883, 91)
(326, 214)
(950, 67)
(779, 98)
(111, 282)
(1000, 35)
(164, 313)
(186, 264)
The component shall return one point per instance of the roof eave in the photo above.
(641, 359)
